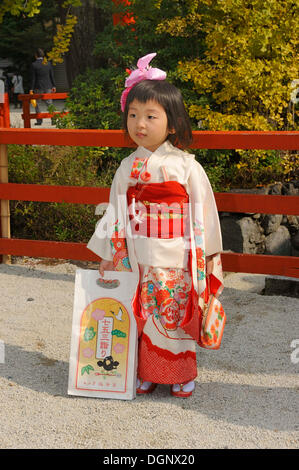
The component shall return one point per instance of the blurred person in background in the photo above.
(42, 79)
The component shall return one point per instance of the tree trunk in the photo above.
(79, 57)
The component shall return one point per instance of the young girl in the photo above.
(162, 222)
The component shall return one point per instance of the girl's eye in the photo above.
(151, 117)
(132, 115)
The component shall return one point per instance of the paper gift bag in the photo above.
(103, 358)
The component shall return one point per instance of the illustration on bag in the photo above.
(102, 362)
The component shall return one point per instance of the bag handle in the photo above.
(108, 283)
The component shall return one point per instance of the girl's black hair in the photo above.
(170, 98)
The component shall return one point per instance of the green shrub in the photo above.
(228, 169)
(69, 166)
(89, 104)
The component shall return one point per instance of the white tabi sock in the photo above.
(144, 386)
(188, 387)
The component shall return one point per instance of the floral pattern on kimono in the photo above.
(166, 353)
(119, 249)
(211, 335)
(198, 229)
(164, 294)
(137, 166)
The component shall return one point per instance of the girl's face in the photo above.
(147, 124)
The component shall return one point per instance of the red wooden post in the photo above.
(26, 113)
(4, 112)
(27, 116)
(4, 203)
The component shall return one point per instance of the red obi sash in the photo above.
(158, 210)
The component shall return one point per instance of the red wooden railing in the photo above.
(234, 262)
(27, 116)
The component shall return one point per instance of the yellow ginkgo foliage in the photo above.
(249, 63)
(62, 39)
(16, 7)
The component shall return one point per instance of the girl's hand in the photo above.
(105, 266)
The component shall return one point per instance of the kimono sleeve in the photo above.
(113, 221)
(204, 210)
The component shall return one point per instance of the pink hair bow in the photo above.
(143, 72)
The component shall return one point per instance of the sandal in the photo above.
(181, 393)
(149, 389)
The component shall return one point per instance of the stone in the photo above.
(294, 252)
(241, 235)
(279, 242)
(271, 222)
(225, 214)
(232, 238)
(284, 220)
(258, 190)
(280, 285)
(275, 189)
(295, 241)
(258, 233)
(292, 221)
(290, 189)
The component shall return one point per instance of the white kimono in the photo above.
(166, 350)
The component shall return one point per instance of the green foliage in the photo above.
(69, 166)
(228, 169)
(17, 7)
(184, 33)
(89, 104)
(20, 35)
(121, 45)
(260, 167)
(62, 21)
(94, 101)
(92, 104)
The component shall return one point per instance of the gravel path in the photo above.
(246, 394)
